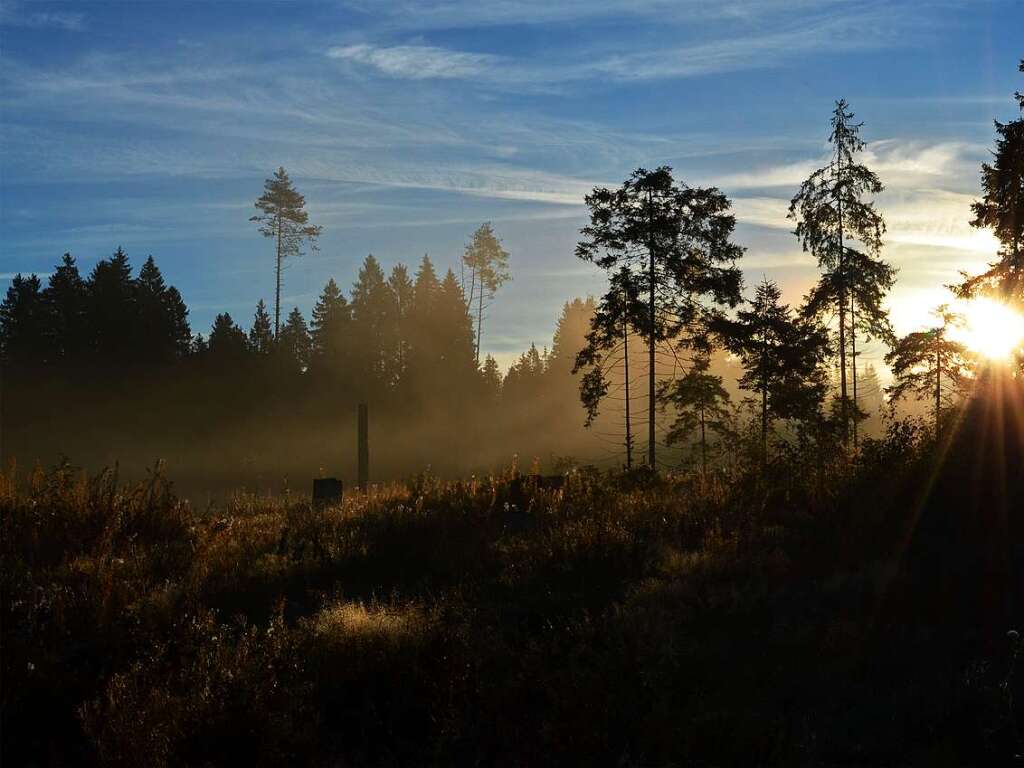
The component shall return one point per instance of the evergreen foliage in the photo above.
(667, 249)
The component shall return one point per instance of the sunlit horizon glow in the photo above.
(991, 328)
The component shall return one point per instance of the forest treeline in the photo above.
(675, 363)
(106, 366)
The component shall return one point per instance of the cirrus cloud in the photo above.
(418, 62)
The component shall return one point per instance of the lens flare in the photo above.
(991, 329)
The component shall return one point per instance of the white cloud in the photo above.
(417, 62)
(14, 14)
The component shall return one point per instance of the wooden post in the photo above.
(364, 446)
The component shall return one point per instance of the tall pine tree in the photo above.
(283, 218)
(833, 216)
(487, 263)
(1001, 209)
(671, 243)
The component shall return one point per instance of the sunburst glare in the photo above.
(991, 329)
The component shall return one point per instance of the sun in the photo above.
(991, 329)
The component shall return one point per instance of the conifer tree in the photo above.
(295, 343)
(525, 378)
(261, 335)
(1001, 209)
(330, 331)
(487, 262)
(422, 325)
(832, 216)
(23, 321)
(782, 358)
(283, 218)
(402, 290)
(65, 298)
(455, 331)
(372, 308)
(701, 405)
(162, 332)
(227, 344)
(930, 365)
(112, 310)
(671, 244)
(490, 375)
(607, 349)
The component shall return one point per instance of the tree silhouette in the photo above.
(455, 334)
(227, 344)
(928, 364)
(23, 320)
(261, 336)
(671, 244)
(782, 358)
(373, 334)
(402, 289)
(295, 344)
(490, 376)
(831, 213)
(283, 217)
(162, 328)
(422, 364)
(112, 310)
(65, 298)
(330, 332)
(487, 263)
(701, 403)
(614, 319)
(1001, 209)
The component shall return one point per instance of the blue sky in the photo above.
(152, 125)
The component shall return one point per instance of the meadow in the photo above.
(823, 611)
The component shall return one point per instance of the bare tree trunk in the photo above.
(650, 344)
(844, 409)
(277, 291)
(479, 318)
(703, 445)
(938, 391)
(764, 428)
(629, 425)
(853, 350)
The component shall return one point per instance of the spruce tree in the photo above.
(701, 405)
(283, 218)
(65, 299)
(331, 332)
(671, 244)
(1001, 209)
(402, 290)
(782, 358)
(23, 322)
(455, 332)
(162, 332)
(423, 333)
(372, 311)
(227, 344)
(490, 376)
(930, 365)
(294, 343)
(112, 311)
(833, 215)
(261, 336)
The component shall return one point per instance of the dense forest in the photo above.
(769, 564)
